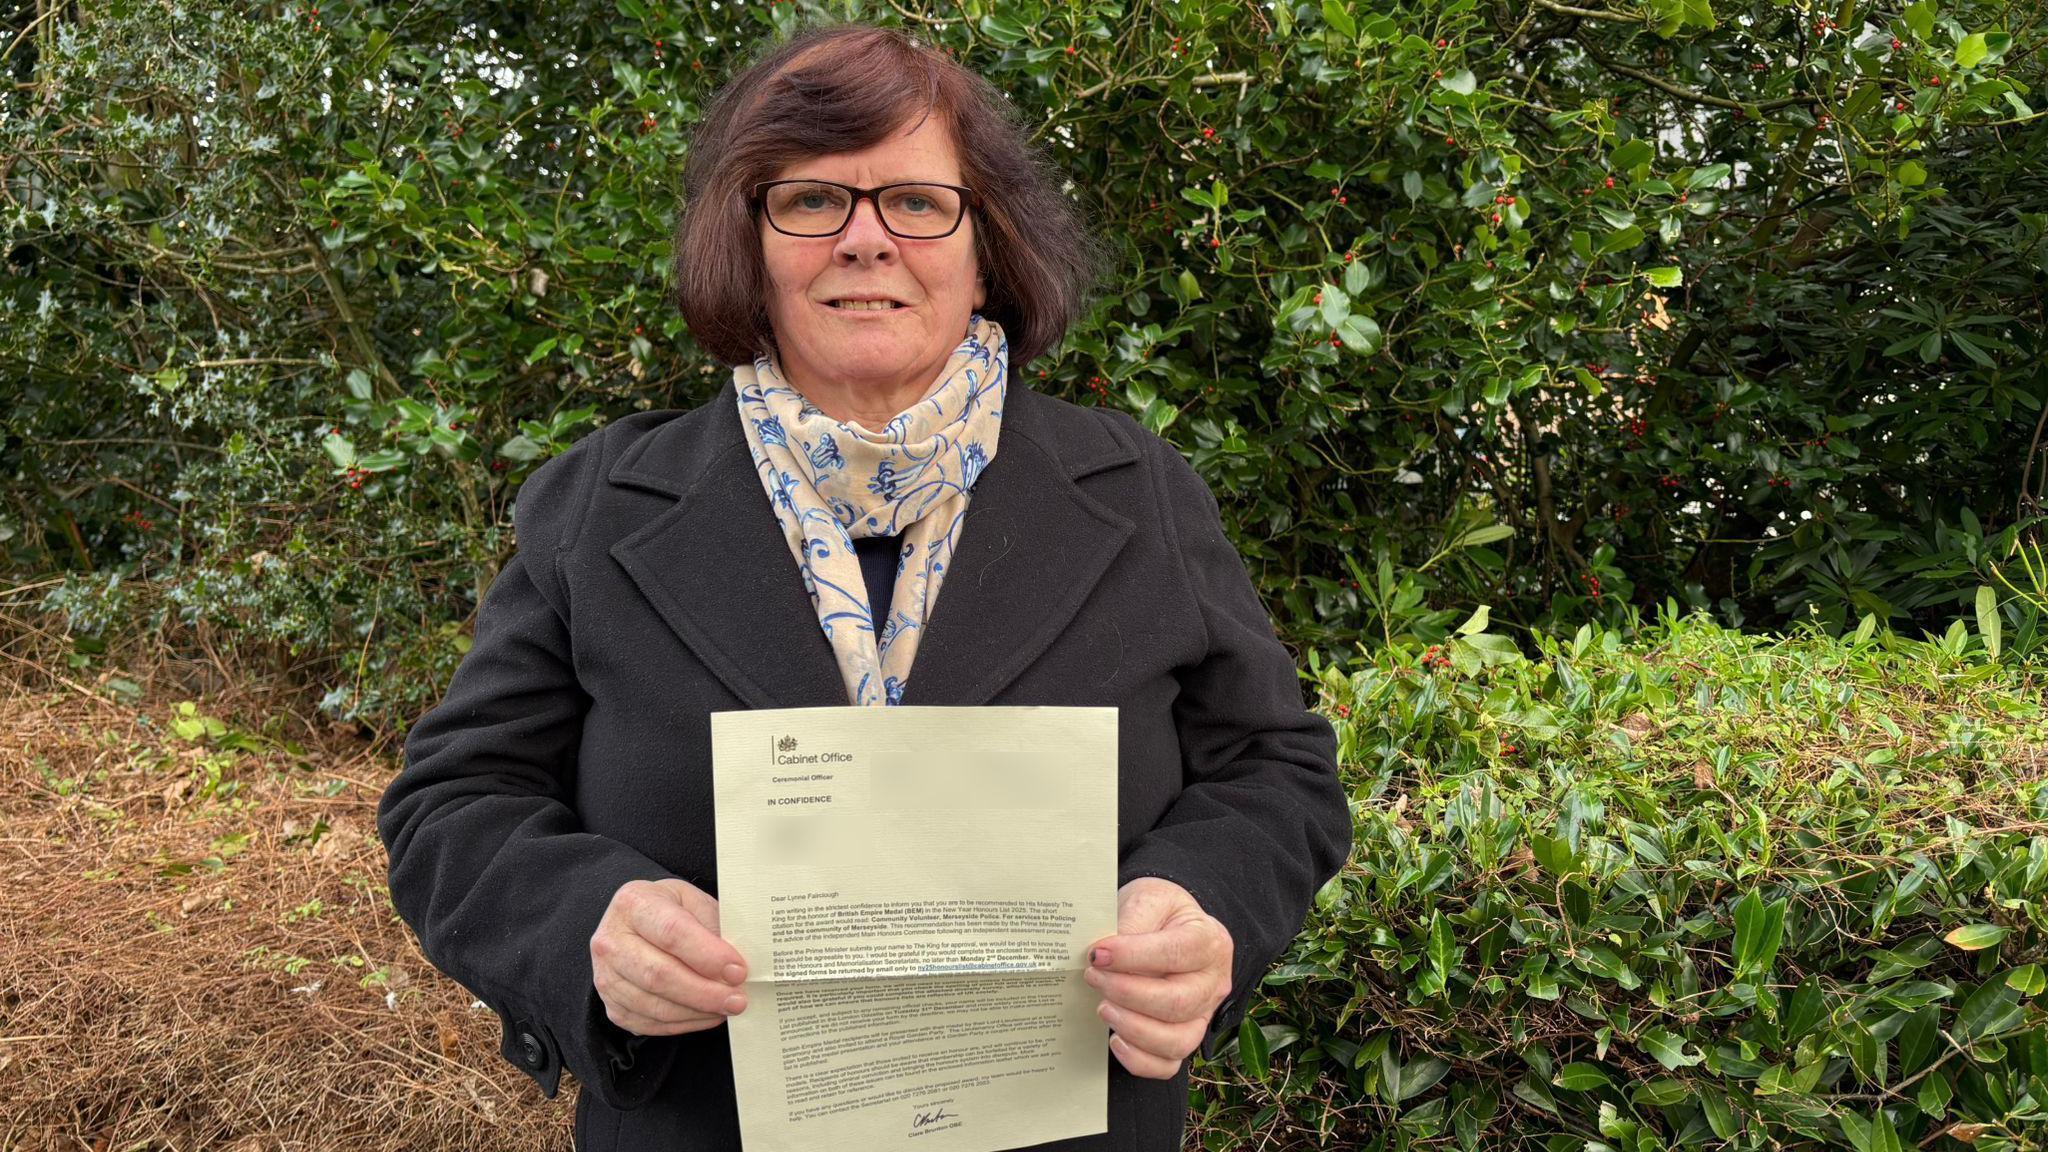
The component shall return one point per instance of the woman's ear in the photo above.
(980, 291)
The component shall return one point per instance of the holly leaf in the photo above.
(1972, 50)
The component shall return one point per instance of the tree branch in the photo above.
(1684, 93)
(1595, 13)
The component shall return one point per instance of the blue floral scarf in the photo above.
(831, 483)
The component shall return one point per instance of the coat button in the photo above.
(530, 1045)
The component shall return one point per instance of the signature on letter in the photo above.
(924, 1118)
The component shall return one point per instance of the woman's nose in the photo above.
(864, 235)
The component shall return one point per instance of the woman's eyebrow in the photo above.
(878, 184)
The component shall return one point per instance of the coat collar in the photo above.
(715, 565)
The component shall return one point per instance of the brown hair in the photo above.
(842, 88)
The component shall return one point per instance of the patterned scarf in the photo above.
(831, 483)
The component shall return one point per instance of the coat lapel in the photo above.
(717, 570)
(1031, 550)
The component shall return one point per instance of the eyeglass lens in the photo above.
(912, 210)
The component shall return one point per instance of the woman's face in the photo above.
(869, 360)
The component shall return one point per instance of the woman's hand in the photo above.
(1161, 976)
(659, 964)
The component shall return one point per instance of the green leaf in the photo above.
(2027, 980)
(1535, 1092)
(1421, 1076)
(1629, 155)
(1668, 1047)
(541, 349)
(339, 450)
(1759, 930)
(1443, 944)
(1339, 19)
(1972, 937)
(1662, 1092)
(1251, 1048)
(1336, 305)
(1920, 19)
(1664, 277)
(521, 448)
(1912, 174)
(1553, 855)
(1359, 333)
(1003, 30)
(1989, 625)
(1581, 1077)
(1473, 538)
(1990, 1010)
(1622, 240)
(1711, 174)
(1720, 1117)
(1971, 51)
(1461, 81)
(1917, 1038)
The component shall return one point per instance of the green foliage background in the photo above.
(1562, 309)
(1545, 307)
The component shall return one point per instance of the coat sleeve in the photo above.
(1262, 819)
(489, 862)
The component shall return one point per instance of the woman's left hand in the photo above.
(1161, 976)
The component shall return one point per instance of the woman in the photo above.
(870, 241)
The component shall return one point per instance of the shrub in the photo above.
(1702, 889)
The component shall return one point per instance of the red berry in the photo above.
(1215, 242)
(1496, 217)
(1319, 297)
(1070, 49)
(1443, 43)
(1610, 181)
(1896, 45)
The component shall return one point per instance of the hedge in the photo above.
(1698, 889)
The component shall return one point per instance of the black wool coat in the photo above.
(652, 587)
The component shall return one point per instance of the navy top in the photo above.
(878, 567)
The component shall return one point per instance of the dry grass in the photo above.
(179, 972)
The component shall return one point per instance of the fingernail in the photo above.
(1107, 1013)
(734, 974)
(734, 1004)
(1099, 957)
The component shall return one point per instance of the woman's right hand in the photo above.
(659, 964)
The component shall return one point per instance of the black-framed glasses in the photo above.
(911, 211)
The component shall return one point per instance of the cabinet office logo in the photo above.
(786, 744)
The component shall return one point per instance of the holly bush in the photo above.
(1688, 889)
(1563, 308)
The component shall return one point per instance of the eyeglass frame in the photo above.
(969, 199)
